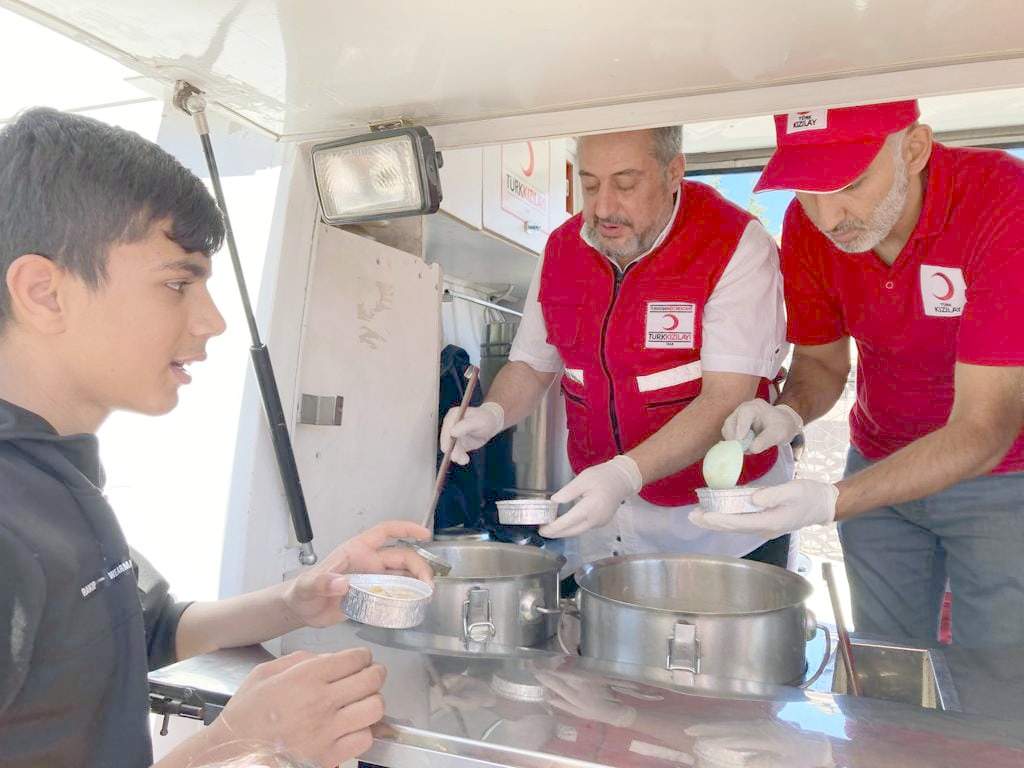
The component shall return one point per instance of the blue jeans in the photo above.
(899, 557)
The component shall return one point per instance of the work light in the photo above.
(380, 175)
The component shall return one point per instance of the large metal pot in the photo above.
(501, 593)
(717, 616)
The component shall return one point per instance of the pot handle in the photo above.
(476, 616)
(567, 608)
(828, 651)
(684, 648)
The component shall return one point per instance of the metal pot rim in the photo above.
(769, 570)
(555, 565)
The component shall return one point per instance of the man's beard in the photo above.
(883, 218)
(630, 247)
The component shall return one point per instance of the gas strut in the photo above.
(190, 100)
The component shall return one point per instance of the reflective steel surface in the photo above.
(447, 709)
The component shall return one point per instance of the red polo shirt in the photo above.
(954, 294)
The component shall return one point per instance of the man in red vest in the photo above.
(916, 250)
(661, 305)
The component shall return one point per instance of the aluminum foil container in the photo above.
(527, 511)
(382, 600)
(517, 686)
(728, 500)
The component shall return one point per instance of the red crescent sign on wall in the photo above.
(528, 170)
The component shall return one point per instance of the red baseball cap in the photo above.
(824, 150)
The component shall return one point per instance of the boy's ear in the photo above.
(34, 283)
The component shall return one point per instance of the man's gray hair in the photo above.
(668, 142)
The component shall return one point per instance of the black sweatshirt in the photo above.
(82, 619)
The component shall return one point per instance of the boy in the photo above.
(105, 244)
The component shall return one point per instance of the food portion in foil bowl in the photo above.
(383, 600)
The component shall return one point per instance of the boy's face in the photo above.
(130, 340)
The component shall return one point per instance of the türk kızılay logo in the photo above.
(669, 325)
(943, 291)
(525, 180)
(807, 120)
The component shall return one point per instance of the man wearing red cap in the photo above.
(916, 251)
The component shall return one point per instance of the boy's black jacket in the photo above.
(82, 618)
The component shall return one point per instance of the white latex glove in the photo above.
(585, 698)
(772, 424)
(478, 425)
(761, 744)
(787, 507)
(600, 490)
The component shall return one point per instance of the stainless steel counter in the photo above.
(531, 708)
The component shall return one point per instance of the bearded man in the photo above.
(916, 251)
(661, 304)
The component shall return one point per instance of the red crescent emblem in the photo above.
(673, 322)
(528, 170)
(949, 288)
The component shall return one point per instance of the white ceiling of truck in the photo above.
(497, 70)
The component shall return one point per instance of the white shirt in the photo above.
(744, 331)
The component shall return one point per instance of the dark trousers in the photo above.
(773, 552)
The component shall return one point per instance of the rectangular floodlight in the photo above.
(380, 175)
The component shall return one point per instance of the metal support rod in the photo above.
(481, 302)
(843, 641)
(190, 101)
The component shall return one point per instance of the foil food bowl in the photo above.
(382, 600)
(527, 511)
(517, 685)
(731, 501)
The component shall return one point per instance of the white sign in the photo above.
(943, 291)
(669, 325)
(526, 181)
(809, 120)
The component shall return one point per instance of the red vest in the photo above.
(635, 336)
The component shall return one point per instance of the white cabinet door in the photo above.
(371, 334)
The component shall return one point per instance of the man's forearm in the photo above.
(812, 387)
(518, 389)
(691, 432)
(956, 452)
(236, 621)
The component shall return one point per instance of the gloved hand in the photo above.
(773, 424)
(478, 425)
(600, 490)
(585, 698)
(761, 744)
(788, 507)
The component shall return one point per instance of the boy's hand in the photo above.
(314, 597)
(317, 707)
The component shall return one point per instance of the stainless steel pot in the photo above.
(461, 534)
(716, 616)
(505, 593)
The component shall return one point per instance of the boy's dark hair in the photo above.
(72, 187)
